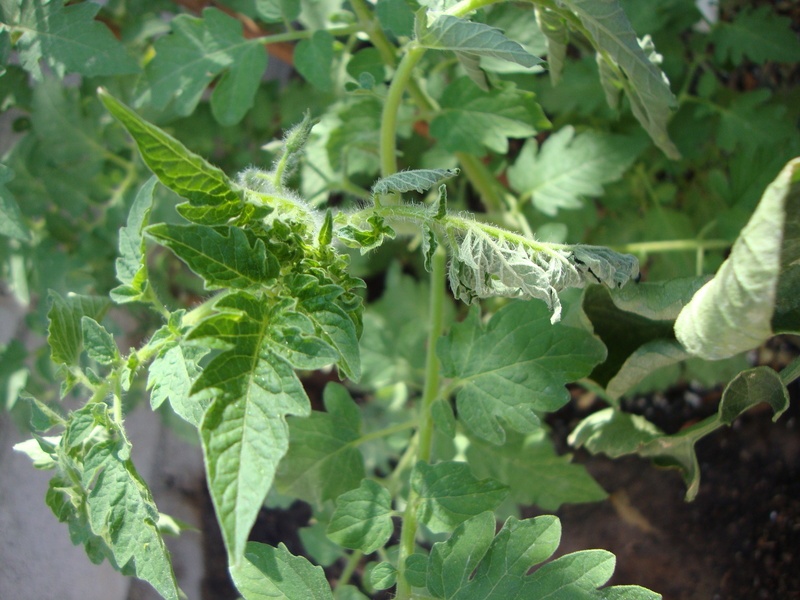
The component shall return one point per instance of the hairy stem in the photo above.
(408, 532)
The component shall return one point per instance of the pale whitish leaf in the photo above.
(98, 343)
(514, 367)
(68, 39)
(418, 180)
(244, 432)
(611, 33)
(265, 573)
(11, 222)
(459, 35)
(225, 257)
(131, 265)
(40, 450)
(182, 171)
(170, 377)
(759, 34)
(363, 518)
(322, 461)
(555, 30)
(733, 312)
(313, 59)
(486, 265)
(450, 494)
(473, 121)
(64, 333)
(533, 471)
(569, 167)
(197, 51)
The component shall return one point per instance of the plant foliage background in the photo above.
(232, 174)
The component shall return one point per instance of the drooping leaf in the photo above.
(322, 463)
(244, 432)
(418, 180)
(121, 512)
(569, 167)
(313, 59)
(363, 518)
(197, 51)
(514, 366)
(734, 311)
(182, 171)
(450, 494)
(265, 573)
(648, 91)
(11, 222)
(68, 39)
(616, 433)
(65, 334)
(759, 34)
(131, 265)
(490, 263)
(473, 121)
(225, 257)
(533, 472)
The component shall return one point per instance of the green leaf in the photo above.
(418, 180)
(64, 333)
(363, 518)
(733, 312)
(450, 494)
(68, 39)
(366, 239)
(98, 343)
(751, 120)
(759, 34)
(197, 51)
(171, 376)
(616, 433)
(322, 461)
(235, 93)
(11, 222)
(395, 16)
(182, 171)
(313, 59)
(383, 576)
(477, 39)
(265, 573)
(514, 366)
(244, 432)
(569, 167)
(533, 471)
(121, 511)
(474, 121)
(131, 265)
(225, 257)
(323, 303)
(648, 91)
(476, 564)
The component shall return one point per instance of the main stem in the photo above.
(408, 533)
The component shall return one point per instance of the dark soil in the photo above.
(738, 540)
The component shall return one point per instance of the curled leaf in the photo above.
(485, 266)
(418, 180)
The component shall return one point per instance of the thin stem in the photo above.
(350, 567)
(374, 31)
(302, 34)
(482, 180)
(671, 246)
(408, 533)
(385, 432)
(391, 106)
